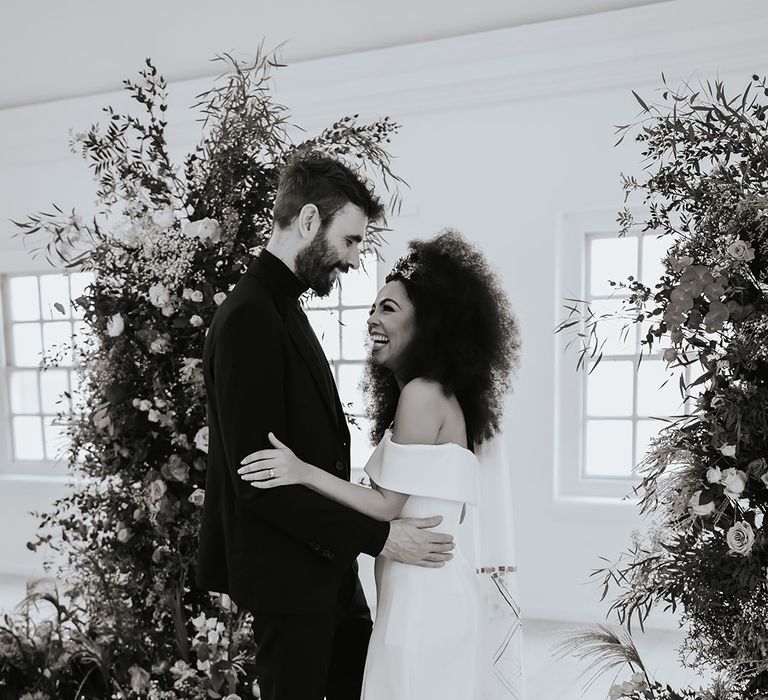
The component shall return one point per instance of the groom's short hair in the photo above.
(311, 177)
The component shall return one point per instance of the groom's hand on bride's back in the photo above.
(411, 541)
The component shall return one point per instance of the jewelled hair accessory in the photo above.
(405, 267)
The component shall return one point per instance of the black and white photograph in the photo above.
(384, 351)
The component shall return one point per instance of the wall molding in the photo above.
(620, 49)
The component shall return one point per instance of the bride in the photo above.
(443, 345)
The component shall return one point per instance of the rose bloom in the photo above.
(219, 297)
(123, 535)
(159, 296)
(740, 538)
(734, 481)
(197, 497)
(698, 508)
(728, 450)
(714, 475)
(204, 229)
(764, 479)
(196, 321)
(115, 325)
(157, 489)
(201, 439)
(196, 296)
(160, 344)
(741, 251)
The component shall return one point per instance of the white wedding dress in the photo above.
(426, 642)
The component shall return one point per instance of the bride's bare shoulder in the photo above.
(421, 411)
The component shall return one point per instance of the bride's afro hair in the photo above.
(466, 336)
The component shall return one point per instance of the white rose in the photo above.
(714, 475)
(734, 481)
(201, 439)
(699, 508)
(187, 293)
(213, 637)
(219, 297)
(741, 251)
(115, 325)
(153, 416)
(764, 479)
(196, 296)
(196, 321)
(204, 666)
(167, 310)
(157, 489)
(159, 345)
(163, 218)
(145, 405)
(728, 450)
(123, 535)
(159, 296)
(197, 497)
(204, 229)
(740, 538)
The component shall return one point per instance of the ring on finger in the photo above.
(271, 473)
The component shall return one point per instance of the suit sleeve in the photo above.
(248, 367)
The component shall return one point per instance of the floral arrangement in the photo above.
(705, 477)
(165, 247)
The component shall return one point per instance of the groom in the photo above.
(288, 555)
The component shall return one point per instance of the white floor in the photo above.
(547, 678)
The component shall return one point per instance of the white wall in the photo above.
(503, 133)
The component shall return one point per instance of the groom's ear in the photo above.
(308, 221)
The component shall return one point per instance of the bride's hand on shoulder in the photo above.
(278, 467)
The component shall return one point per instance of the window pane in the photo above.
(654, 249)
(609, 448)
(652, 398)
(312, 301)
(616, 336)
(55, 438)
(24, 298)
(646, 429)
(53, 384)
(54, 290)
(611, 259)
(24, 397)
(349, 392)
(326, 327)
(78, 281)
(27, 437)
(57, 339)
(354, 334)
(609, 389)
(358, 287)
(27, 344)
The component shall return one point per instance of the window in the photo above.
(39, 321)
(339, 321)
(606, 419)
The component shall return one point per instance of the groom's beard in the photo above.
(316, 262)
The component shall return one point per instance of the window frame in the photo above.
(572, 485)
(370, 267)
(21, 264)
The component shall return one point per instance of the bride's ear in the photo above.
(308, 221)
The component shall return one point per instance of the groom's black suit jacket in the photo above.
(285, 549)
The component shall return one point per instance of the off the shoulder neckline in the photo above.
(388, 434)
